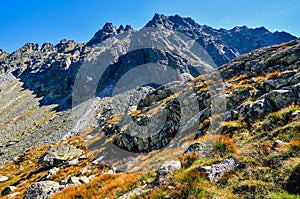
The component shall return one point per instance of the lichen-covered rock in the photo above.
(165, 169)
(201, 149)
(60, 154)
(42, 190)
(216, 171)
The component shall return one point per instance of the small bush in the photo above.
(294, 149)
(188, 159)
(224, 146)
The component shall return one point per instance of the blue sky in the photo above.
(40, 21)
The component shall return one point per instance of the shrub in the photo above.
(188, 159)
(224, 146)
(294, 149)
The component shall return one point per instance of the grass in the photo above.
(104, 186)
(268, 76)
(189, 184)
(114, 119)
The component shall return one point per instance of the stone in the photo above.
(165, 169)
(58, 155)
(73, 162)
(280, 98)
(260, 108)
(3, 178)
(197, 148)
(7, 190)
(78, 180)
(277, 143)
(216, 171)
(42, 190)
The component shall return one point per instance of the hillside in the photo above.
(231, 133)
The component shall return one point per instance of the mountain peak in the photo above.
(106, 32)
(109, 27)
(172, 22)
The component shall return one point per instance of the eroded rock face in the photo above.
(42, 190)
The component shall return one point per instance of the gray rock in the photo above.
(73, 162)
(42, 190)
(260, 108)
(165, 169)
(280, 98)
(286, 74)
(198, 148)
(60, 154)
(277, 143)
(216, 171)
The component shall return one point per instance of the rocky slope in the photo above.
(241, 140)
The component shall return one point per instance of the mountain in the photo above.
(245, 148)
(89, 119)
(222, 45)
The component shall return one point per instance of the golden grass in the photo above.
(104, 186)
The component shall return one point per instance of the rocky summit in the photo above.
(227, 127)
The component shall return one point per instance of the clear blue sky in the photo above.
(40, 21)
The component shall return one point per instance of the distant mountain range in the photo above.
(49, 70)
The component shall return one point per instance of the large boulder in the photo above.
(280, 98)
(60, 154)
(42, 190)
(260, 108)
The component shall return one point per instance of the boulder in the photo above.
(57, 155)
(198, 148)
(3, 178)
(78, 180)
(216, 171)
(7, 190)
(260, 108)
(165, 169)
(280, 98)
(42, 190)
